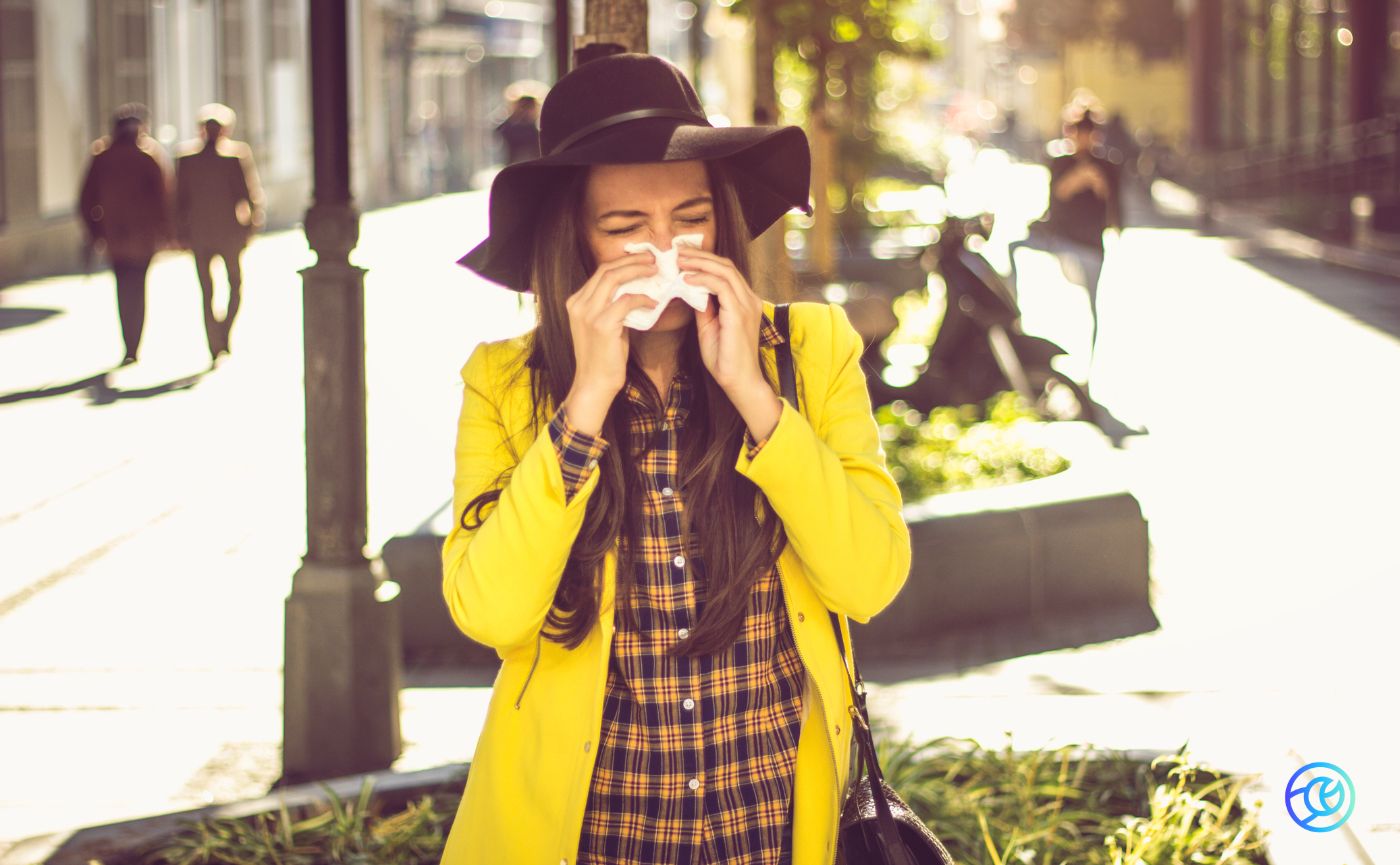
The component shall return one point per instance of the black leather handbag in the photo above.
(877, 827)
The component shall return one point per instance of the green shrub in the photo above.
(1073, 805)
(342, 833)
(963, 447)
(1069, 806)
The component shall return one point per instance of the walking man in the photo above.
(218, 205)
(1084, 201)
(125, 205)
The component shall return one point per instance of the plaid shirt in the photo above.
(697, 754)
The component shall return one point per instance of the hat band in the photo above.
(624, 117)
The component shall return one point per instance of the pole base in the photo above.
(341, 680)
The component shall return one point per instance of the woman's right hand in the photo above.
(600, 339)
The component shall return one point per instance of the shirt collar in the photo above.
(768, 335)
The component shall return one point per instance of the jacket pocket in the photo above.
(539, 638)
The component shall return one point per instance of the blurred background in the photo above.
(1128, 277)
(1261, 86)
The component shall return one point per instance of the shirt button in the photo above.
(801, 617)
(678, 561)
(690, 704)
(587, 746)
(666, 491)
(693, 783)
(592, 464)
(683, 633)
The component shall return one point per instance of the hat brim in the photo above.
(771, 166)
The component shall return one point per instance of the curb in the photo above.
(1247, 223)
(113, 842)
(1044, 564)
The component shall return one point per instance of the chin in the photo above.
(677, 315)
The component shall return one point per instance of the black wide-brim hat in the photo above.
(634, 108)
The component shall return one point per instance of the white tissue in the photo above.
(666, 285)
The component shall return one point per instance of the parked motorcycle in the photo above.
(978, 349)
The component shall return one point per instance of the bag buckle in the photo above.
(858, 717)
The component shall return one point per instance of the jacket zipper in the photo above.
(796, 644)
(533, 664)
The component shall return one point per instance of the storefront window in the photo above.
(63, 83)
(1391, 94)
(288, 130)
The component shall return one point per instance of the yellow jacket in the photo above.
(822, 470)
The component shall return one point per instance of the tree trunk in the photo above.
(621, 22)
(771, 269)
(821, 245)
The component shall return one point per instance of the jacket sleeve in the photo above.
(88, 199)
(842, 510)
(250, 188)
(184, 200)
(162, 191)
(499, 579)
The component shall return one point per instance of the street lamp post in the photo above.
(341, 675)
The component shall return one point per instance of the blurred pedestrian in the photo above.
(218, 205)
(125, 205)
(1084, 202)
(1120, 145)
(520, 132)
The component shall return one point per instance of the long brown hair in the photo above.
(735, 546)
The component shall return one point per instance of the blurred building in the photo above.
(427, 81)
(1296, 105)
(1028, 77)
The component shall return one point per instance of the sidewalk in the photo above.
(151, 522)
(1268, 479)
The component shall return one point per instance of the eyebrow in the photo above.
(692, 202)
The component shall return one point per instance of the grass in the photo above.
(1067, 806)
(348, 832)
(1073, 805)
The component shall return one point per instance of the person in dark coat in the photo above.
(218, 205)
(520, 132)
(1084, 202)
(125, 205)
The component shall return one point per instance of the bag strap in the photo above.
(895, 851)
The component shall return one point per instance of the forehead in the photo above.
(634, 187)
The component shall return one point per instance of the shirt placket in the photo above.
(682, 608)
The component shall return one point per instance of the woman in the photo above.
(647, 534)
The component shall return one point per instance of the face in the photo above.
(651, 202)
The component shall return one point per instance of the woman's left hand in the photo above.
(729, 336)
(729, 339)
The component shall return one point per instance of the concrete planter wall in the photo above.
(1054, 562)
(1049, 563)
(430, 638)
(120, 843)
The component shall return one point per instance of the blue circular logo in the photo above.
(1319, 797)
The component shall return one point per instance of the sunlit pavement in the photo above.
(1266, 383)
(149, 542)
